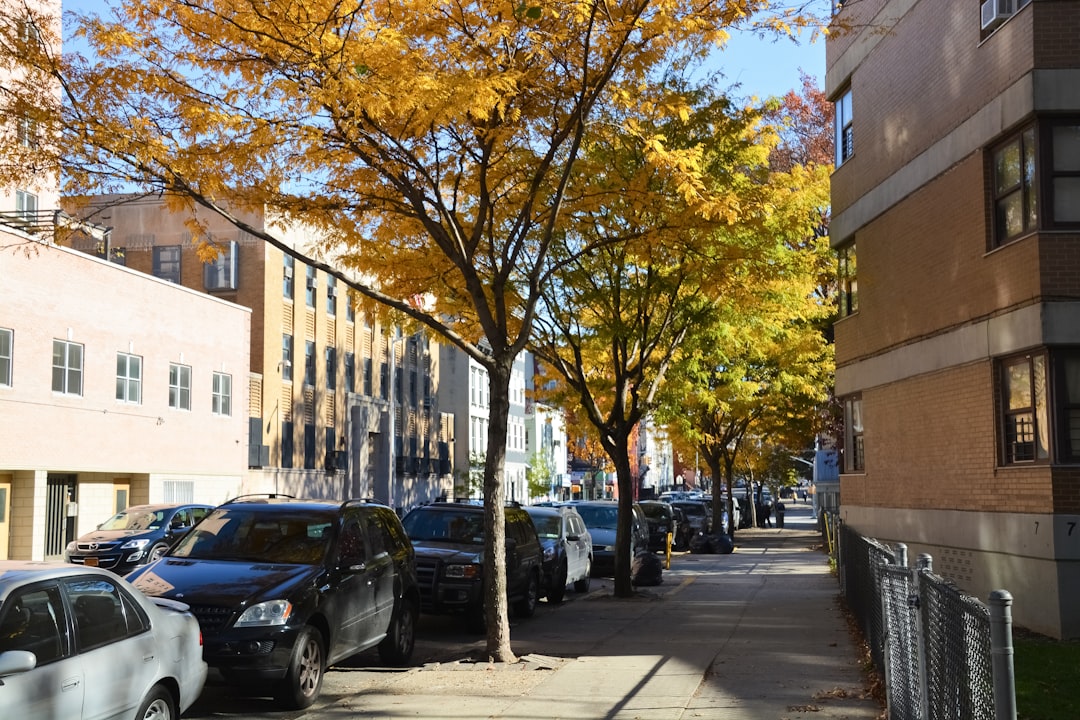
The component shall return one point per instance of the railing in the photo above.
(944, 655)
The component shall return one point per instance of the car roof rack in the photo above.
(260, 496)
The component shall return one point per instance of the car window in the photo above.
(180, 519)
(103, 614)
(134, 520)
(454, 526)
(353, 547)
(548, 527)
(198, 514)
(599, 517)
(239, 533)
(31, 620)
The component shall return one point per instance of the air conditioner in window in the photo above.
(995, 12)
(331, 291)
(288, 272)
(311, 283)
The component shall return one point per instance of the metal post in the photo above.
(1001, 655)
(925, 564)
(391, 470)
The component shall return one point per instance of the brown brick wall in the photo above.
(1056, 29)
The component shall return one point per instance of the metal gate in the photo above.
(59, 525)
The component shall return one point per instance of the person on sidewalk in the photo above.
(779, 508)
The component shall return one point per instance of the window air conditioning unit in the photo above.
(288, 272)
(311, 283)
(995, 12)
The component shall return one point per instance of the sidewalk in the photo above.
(754, 635)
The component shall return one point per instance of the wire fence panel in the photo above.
(901, 650)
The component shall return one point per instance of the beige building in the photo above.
(320, 375)
(115, 389)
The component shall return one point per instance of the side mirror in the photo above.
(15, 662)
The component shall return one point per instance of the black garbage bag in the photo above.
(717, 543)
(699, 543)
(647, 569)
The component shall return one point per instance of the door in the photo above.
(121, 493)
(381, 572)
(61, 509)
(5, 514)
(353, 592)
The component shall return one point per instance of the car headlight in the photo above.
(464, 572)
(271, 612)
(71, 546)
(134, 544)
(605, 548)
(549, 554)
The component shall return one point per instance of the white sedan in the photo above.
(80, 642)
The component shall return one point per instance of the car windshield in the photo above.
(547, 527)
(425, 524)
(696, 509)
(135, 520)
(241, 533)
(599, 517)
(656, 512)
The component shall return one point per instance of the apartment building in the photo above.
(545, 434)
(956, 214)
(320, 413)
(115, 389)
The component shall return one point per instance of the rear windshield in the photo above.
(656, 512)
(239, 533)
(423, 524)
(547, 527)
(599, 517)
(693, 509)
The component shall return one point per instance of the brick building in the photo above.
(956, 214)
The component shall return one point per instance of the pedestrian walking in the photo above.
(779, 514)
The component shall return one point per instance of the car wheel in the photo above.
(158, 704)
(156, 552)
(526, 606)
(557, 591)
(582, 585)
(303, 681)
(397, 647)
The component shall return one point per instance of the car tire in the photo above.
(303, 680)
(159, 704)
(526, 606)
(557, 591)
(156, 552)
(582, 585)
(397, 647)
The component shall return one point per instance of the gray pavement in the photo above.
(754, 635)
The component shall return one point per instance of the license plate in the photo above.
(91, 561)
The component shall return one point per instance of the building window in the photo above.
(350, 372)
(167, 263)
(221, 403)
(309, 364)
(128, 378)
(28, 132)
(854, 453)
(7, 341)
(848, 280)
(331, 368)
(220, 273)
(1064, 182)
(288, 452)
(288, 269)
(350, 311)
(286, 357)
(1024, 405)
(26, 205)
(1068, 397)
(309, 292)
(368, 381)
(67, 367)
(331, 295)
(179, 386)
(1014, 184)
(845, 139)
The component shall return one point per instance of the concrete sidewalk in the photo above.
(754, 635)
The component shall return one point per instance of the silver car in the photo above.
(80, 642)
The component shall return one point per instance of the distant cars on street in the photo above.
(662, 520)
(136, 536)
(567, 549)
(80, 642)
(283, 588)
(601, 517)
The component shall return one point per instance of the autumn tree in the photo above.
(433, 145)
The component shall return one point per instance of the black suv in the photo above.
(135, 536)
(283, 588)
(662, 520)
(449, 542)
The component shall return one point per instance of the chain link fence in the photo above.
(944, 655)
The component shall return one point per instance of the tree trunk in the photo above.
(624, 586)
(496, 613)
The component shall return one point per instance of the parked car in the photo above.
(698, 514)
(662, 518)
(80, 642)
(567, 549)
(449, 542)
(283, 588)
(601, 517)
(136, 536)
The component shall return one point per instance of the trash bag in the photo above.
(721, 543)
(647, 569)
(699, 544)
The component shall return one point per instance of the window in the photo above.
(309, 293)
(103, 614)
(288, 268)
(1064, 183)
(331, 295)
(848, 279)
(7, 341)
(221, 402)
(350, 311)
(26, 205)
(29, 622)
(309, 364)
(28, 132)
(845, 143)
(1015, 207)
(1024, 405)
(854, 455)
(350, 372)
(286, 357)
(1068, 395)
(167, 263)
(331, 368)
(309, 447)
(179, 386)
(128, 378)
(287, 445)
(220, 273)
(368, 381)
(67, 367)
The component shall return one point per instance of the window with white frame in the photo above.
(845, 139)
(854, 453)
(128, 378)
(848, 279)
(287, 271)
(179, 386)
(1014, 187)
(309, 364)
(67, 367)
(286, 357)
(1025, 411)
(28, 132)
(221, 399)
(309, 287)
(26, 205)
(7, 341)
(331, 295)
(220, 273)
